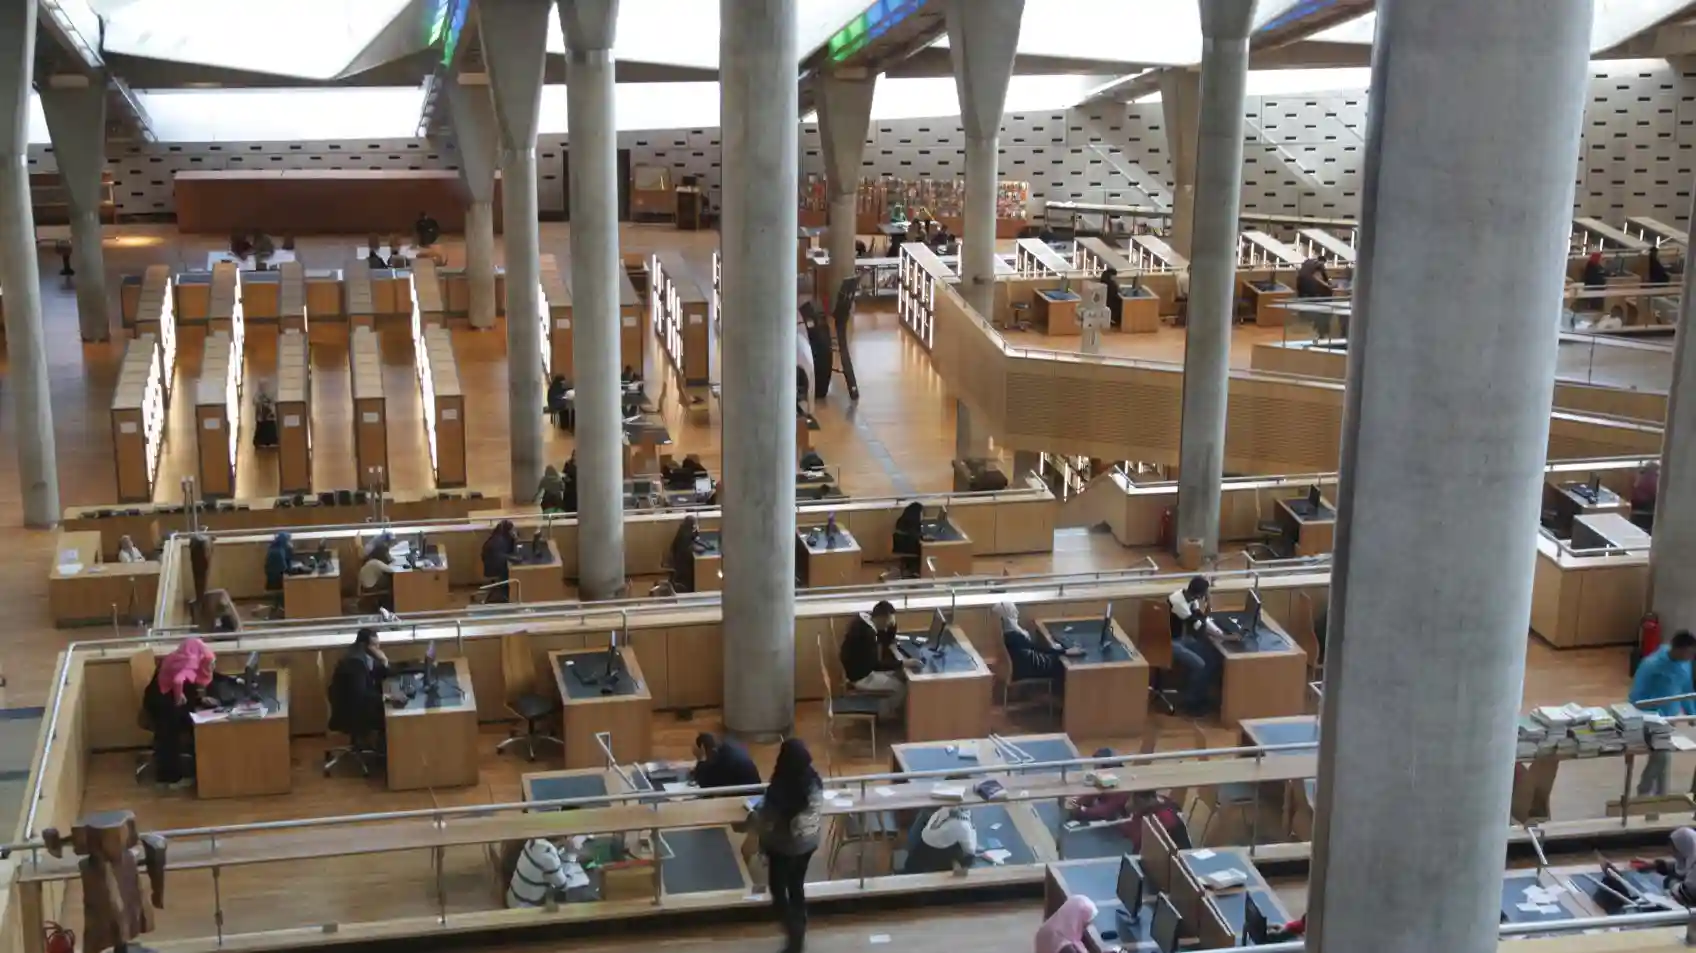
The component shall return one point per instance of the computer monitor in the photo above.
(1107, 627)
(1164, 930)
(1314, 499)
(430, 669)
(938, 624)
(418, 548)
(1595, 486)
(1255, 929)
(250, 676)
(612, 660)
(1254, 608)
(1129, 887)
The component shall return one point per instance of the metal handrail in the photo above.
(439, 814)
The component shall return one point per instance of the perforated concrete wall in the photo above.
(1302, 154)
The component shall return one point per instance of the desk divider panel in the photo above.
(294, 412)
(156, 315)
(370, 408)
(427, 292)
(291, 296)
(138, 419)
(456, 290)
(357, 303)
(217, 416)
(556, 320)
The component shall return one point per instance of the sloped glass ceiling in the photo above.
(685, 32)
(1613, 22)
(311, 39)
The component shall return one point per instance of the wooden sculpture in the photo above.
(113, 911)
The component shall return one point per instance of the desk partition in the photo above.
(156, 315)
(556, 320)
(291, 296)
(678, 310)
(443, 401)
(370, 408)
(357, 303)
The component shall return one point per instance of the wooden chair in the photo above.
(1154, 641)
(858, 706)
(523, 701)
(1237, 798)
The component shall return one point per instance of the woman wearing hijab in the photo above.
(1028, 658)
(788, 824)
(499, 550)
(1658, 274)
(1680, 871)
(1595, 275)
(1064, 931)
(277, 558)
(683, 554)
(129, 552)
(171, 695)
(550, 493)
(908, 528)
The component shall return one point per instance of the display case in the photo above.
(291, 297)
(426, 290)
(370, 408)
(921, 270)
(650, 193)
(679, 311)
(294, 412)
(138, 419)
(217, 415)
(556, 320)
(443, 402)
(156, 315)
(357, 303)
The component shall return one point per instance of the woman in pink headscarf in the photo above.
(1064, 931)
(170, 698)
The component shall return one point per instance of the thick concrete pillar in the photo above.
(1672, 548)
(983, 36)
(1180, 108)
(1213, 267)
(759, 110)
(26, 348)
(589, 27)
(75, 109)
(1444, 408)
(845, 115)
(515, 46)
(477, 134)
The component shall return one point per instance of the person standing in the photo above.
(1662, 675)
(788, 823)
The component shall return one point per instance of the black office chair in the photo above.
(535, 711)
(352, 714)
(361, 747)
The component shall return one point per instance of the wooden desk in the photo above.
(433, 740)
(1057, 311)
(1264, 677)
(247, 757)
(539, 581)
(1107, 687)
(1264, 298)
(1298, 796)
(827, 562)
(1564, 502)
(969, 753)
(1312, 531)
(82, 588)
(422, 590)
(316, 595)
(709, 562)
(948, 545)
(1607, 531)
(1139, 310)
(950, 696)
(1579, 599)
(1098, 879)
(622, 708)
(1189, 869)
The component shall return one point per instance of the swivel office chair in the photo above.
(361, 733)
(144, 668)
(518, 672)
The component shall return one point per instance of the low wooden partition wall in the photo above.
(138, 419)
(427, 293)
(1005, 522)
(217, 416)
(556, 320)
(678, 313)
(1330, 361)
(456, 290)
(1116, 409)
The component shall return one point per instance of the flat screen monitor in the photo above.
(1164, 930)
(1254, 923)
(430, 668)
(1129, 887)
(1314, 499)
(1107, 627)
(938, 623)
(1595, 486)
(250, 675)
(612, 659)
(1254, 607)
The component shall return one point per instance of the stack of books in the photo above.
(1534, 740)
(1657, 734)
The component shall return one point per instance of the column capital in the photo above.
(983, 37)
(588, 24)
(515, 38)
(471, 111)
(1227, 19)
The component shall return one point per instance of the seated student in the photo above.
(1132, 807)
(941, 841)
(373, 258)
(1192, 651)
(172, 694)
(1679, 873)
(278, 556)
(1658, 274)
(1064, 931)
(1312, 281)
(499, 550)
(908, 528)
(557, 389)
(1028, 659)
(129, 552)
(377, 576)
(868, 658)
(356, 689)
(1595, 273)
(540, 871)
(683, 550)
(722, 763)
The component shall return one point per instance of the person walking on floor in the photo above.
(1664, 674)
(787, 821)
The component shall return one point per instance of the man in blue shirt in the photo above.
(1663, 674)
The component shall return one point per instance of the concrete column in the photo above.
(983, 36)
(1180, 108)
(589, 27)
(75, 109)
(26, 348)
(515, 45)
(1213, 267)
(760, 108)
(1444, 408)
(477, 134)
(1672, 548)
(845, 115)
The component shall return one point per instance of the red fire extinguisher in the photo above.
(1648, 638)
(58, 939)
(1166, 541)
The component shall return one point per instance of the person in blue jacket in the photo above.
(1663, 674)
(277, 558)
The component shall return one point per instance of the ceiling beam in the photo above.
(74, 49)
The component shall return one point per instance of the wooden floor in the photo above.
(904, 409)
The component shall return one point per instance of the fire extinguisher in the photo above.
(58, 939)
(1166, 542)
(1648, 639)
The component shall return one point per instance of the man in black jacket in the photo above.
(868, 659)
(722, 763)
